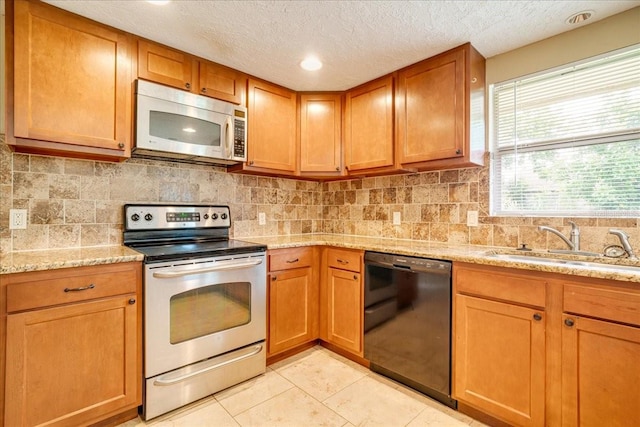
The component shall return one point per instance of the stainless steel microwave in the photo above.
(181, 126)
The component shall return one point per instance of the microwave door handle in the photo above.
(228, 148)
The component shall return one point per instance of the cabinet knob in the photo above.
(338, 168)
(569, 322)
(121, 145)
(355, 277)
(187, 85)
(204, 90)
(274, 278)
(132, 301)
(458, 151)
(537, 317)
(474, 80)
(250, 162)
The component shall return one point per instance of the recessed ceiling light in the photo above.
(579, 17)
(311, 63)
(158, 2)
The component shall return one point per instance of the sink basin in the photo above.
(551, 259)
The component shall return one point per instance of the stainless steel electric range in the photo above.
(204, 303)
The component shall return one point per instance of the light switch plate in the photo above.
(262, 218)
(472, 218)
(397, 218)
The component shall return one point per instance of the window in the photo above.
(566, 142)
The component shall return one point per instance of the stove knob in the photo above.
(135, 217)
(223, 216)
(214, 216)
(206, 216)
(148, 217)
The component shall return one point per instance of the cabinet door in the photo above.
(163, 65)
(272, 127)
(320, 133)
(345, 311)
(369, 126)
(293, 309)
(221, 82)
(499, 359)
(71, 80)
(431, 109)
(72, 364)
(600, 373)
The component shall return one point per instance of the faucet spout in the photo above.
(624, 241)
(573, 242)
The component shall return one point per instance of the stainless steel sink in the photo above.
(552, 259)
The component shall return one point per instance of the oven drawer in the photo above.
(286, 259)
(26, 291)
(344, 260)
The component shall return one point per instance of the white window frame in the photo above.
(497, 153)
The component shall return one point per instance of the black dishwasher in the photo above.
(407, 321)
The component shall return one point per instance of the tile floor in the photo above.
(314, 388)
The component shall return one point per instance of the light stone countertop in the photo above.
(17, 262)
(24, 261)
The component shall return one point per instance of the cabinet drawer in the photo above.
(618, 305)
(27, 291)
(495, 283)
(344, 260)
(285, 259)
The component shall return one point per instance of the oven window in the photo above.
(209, 309)
(176, 127)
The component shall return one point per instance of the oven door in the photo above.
(198, 309)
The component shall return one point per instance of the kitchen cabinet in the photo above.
(272, 147)
(320, 134)
(69, 84)
(600, 353)
(292, 299)
(499, 349)
(368, 128)
(440, 111)
(171, 67)
(73, 354)
(342, 300)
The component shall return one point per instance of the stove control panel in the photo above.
(162, 217)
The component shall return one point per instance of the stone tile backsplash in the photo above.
(75, 203)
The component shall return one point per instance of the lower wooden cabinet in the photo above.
(293, 299)
(342, 300)
(76, 362)
(500, 359)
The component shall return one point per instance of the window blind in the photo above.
(567, 142)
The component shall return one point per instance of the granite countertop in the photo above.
(20, 262)
(614, 269)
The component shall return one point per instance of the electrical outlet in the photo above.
(18, 219)
(396, 218)
(472, 218)
(262, 218)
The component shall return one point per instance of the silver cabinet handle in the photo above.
(221, 267)
(170, 381)
(83, 288)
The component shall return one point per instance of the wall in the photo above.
(76, 203)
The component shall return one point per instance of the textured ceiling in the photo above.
(357, 40)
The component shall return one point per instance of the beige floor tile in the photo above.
(211, 414)
(368, 402)
(292, 408)
(433, 418)
(320, 375)
(253, 392)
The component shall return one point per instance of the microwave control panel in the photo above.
(239, 139)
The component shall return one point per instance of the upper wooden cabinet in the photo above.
(440, 111)
(320, 134)
(69, 84)
(272, 147)
(368, 124)
(183, 71)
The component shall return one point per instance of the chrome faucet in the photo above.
(574, 237)
(624, 241)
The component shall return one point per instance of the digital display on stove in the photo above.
(183, 216)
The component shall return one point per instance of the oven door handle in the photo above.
(166, 382)
(220, 267)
